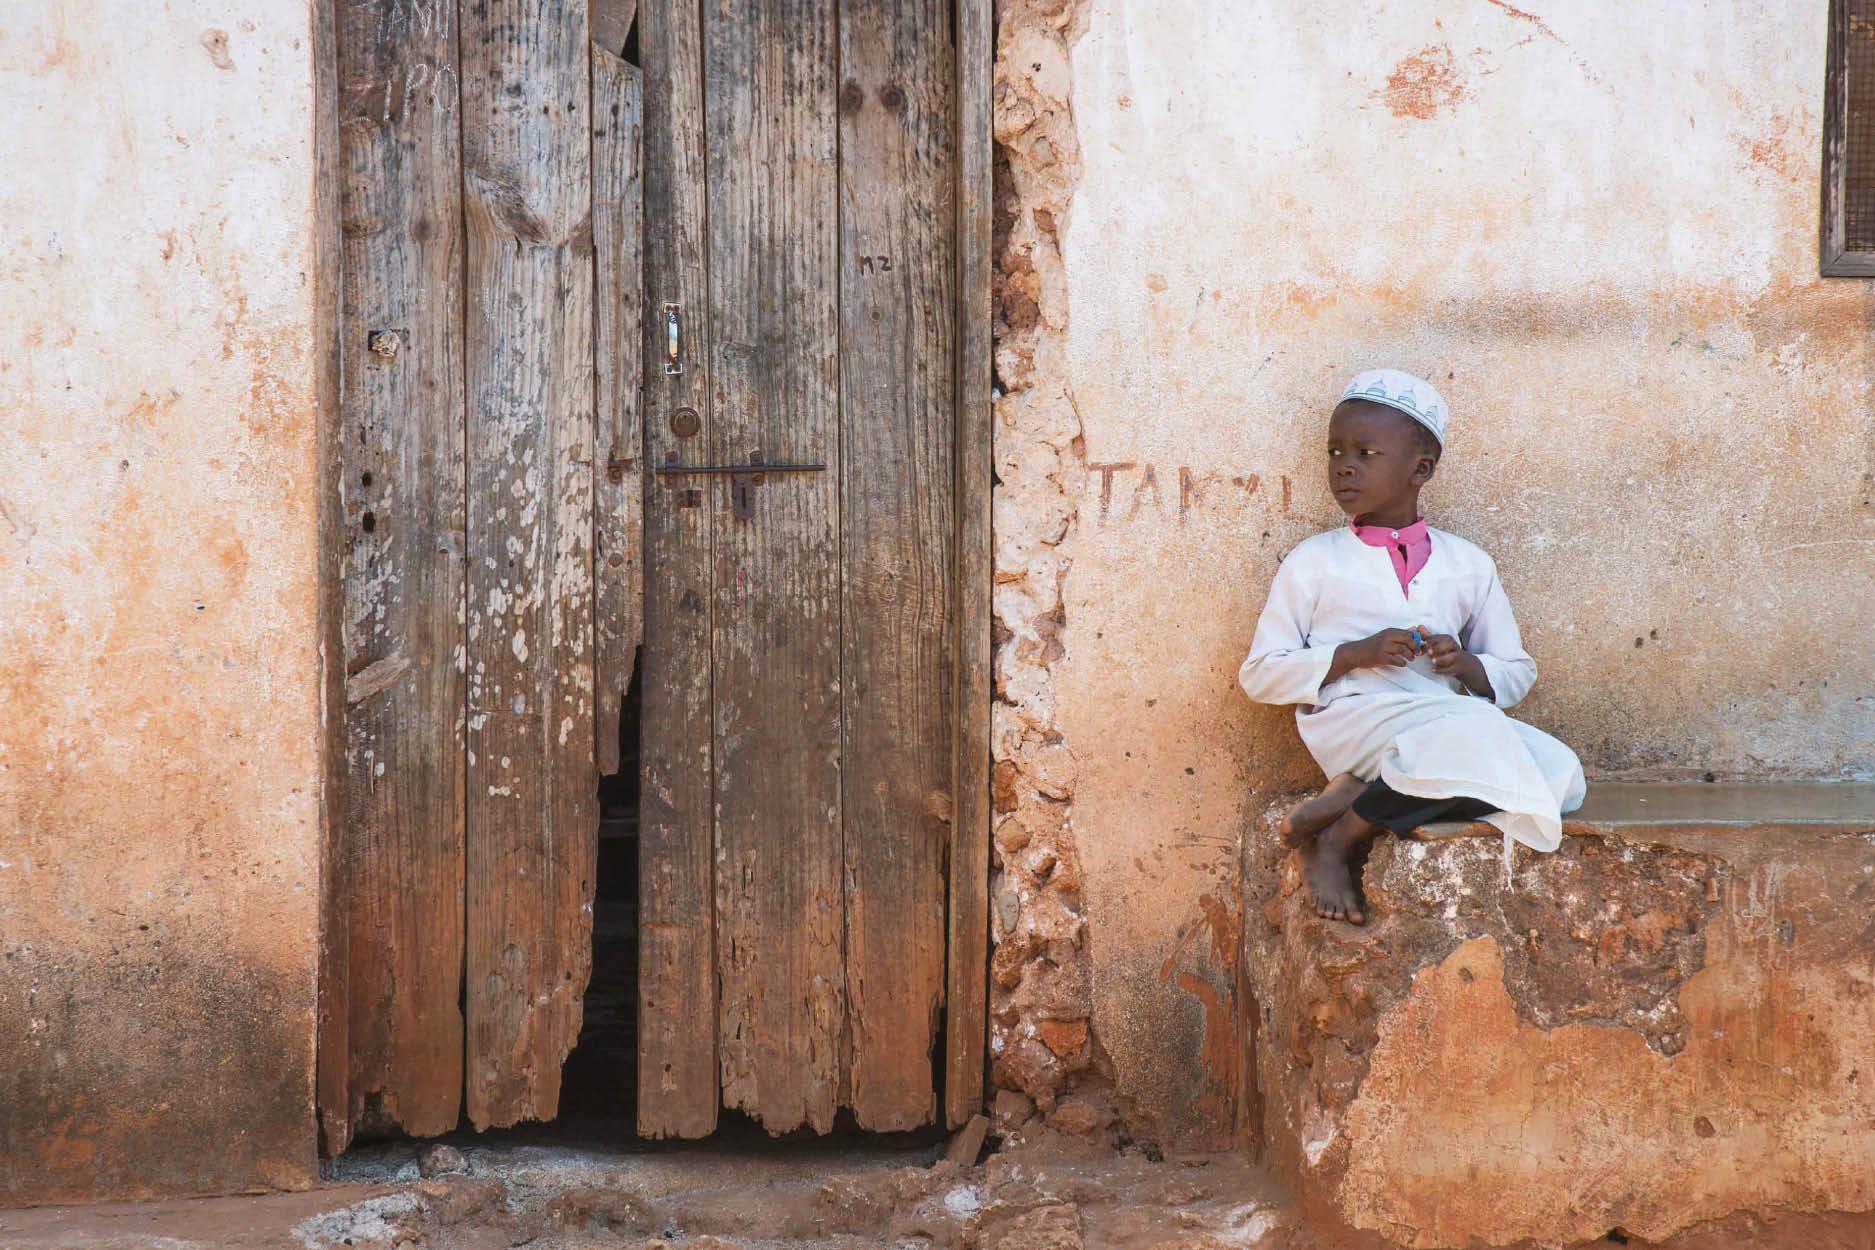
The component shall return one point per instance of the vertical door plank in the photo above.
(618, 484)
(897, 400)
(967, 1011)
(402, 464)
(677, 1056)
(773, 255)
(532, 805)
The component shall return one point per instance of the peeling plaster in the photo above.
(1651, 1029)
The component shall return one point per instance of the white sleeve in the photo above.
(1282, 667)
(1492, 635)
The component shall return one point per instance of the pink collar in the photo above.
(1381, 536)
(1408, 548)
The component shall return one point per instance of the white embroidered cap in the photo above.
(1416, 397)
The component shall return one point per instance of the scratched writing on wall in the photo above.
(1129, 489)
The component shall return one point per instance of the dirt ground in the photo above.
(749, 1193)
(1054, 1193)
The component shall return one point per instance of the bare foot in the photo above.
(1328, 866)
(1311, 816)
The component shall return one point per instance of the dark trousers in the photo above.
(1380, 804)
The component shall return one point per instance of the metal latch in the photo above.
(673, 338)
(743, 479)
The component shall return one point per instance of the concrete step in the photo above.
(1669, 1020)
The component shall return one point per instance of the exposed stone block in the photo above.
(1011, 1110)
(1064, 1037)
(1025, 1064)
(1665, 1022)
(1084, 1114)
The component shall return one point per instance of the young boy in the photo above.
(1398, 646)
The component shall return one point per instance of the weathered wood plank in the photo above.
(967, 1000)
(967, 1143)
(402, 465)
(774, 277)
(897, 405)
(332, 1063)
(677, 1053)
(532, 807)
(1833, 225)
(1841, 109)
(618, 483)
(612, 24)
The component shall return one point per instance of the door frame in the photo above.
(966, 1044)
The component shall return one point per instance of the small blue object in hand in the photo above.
(1418, 641)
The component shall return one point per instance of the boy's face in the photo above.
(1374, 460)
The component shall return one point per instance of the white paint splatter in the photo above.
(374, 1219)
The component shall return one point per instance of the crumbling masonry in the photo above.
(1041, 1000)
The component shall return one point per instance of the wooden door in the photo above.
(804, 626)
(529, 420)
(457, 940)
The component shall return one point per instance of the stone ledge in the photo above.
(1615, 806)
(1665, 1022)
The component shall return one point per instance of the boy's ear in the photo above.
(1426, 468)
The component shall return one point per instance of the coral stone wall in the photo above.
(1039, 988)
(159, 627)
(1596, 229)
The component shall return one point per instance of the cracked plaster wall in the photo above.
(159, 663)
(1596, 230)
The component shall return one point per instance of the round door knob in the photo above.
(685, 423)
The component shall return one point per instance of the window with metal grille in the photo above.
(1849, 142)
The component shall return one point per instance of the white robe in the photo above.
(1422, 734)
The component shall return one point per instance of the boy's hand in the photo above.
(1449, 659)
(1389, 647)
(1447, 655)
